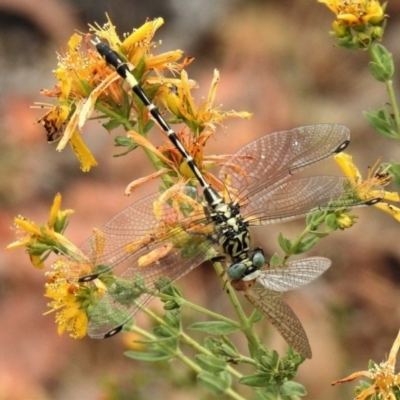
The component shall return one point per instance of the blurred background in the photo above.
(277, 61)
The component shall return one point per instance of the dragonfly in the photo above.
(162, 237)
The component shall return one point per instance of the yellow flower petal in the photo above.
(142, 141)
(389, 209)
(144, 33)
(392, 196)
(37, 261)
(83, 154)
(55, 208)
(27, 226)
(345, 162)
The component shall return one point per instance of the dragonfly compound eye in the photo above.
(236, 271)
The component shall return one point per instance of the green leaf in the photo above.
(172, 318)
(214, 327)
(139, 69)
(225, 342)
(269, 360)
(382, 68)
(263, 395)
(256, 316)
(256, 380)
(112, 124)
(211, 363)
(150, 357)
(215, 383)
(394, 169)
(284, 243)
(382, 122)
(171, 305)
(291, 388)
(306, 244)
(275, 260)
(319, 234)
(123, 141)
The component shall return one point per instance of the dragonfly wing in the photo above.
(135, 286)
(273, 157)
(295, 198)
(293, 274)
(281, 317)
(137, 227)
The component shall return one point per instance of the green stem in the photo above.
(201, 349)
(246, 325)
(187, 339)
(394, 104)
(193, 344)
(210, 313)
(312, 226)
(186, 360)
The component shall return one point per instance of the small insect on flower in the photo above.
(385, 382)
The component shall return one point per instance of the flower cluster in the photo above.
(358, 23)
(86, 84)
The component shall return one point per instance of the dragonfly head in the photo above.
(247, 271)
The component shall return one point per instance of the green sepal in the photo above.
(269, 360)
(221, 347)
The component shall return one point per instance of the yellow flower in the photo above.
(79, 73)
(383, 377)
(356, 12)
(67, 301)
(201, 120)
(370, 188)
(40, 240)
(196, 117)
(345, 221)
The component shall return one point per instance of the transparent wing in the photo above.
(295, 198)
(281, 317)
(133, 232)
(273, 157)
(293, 274)
(135, 286)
